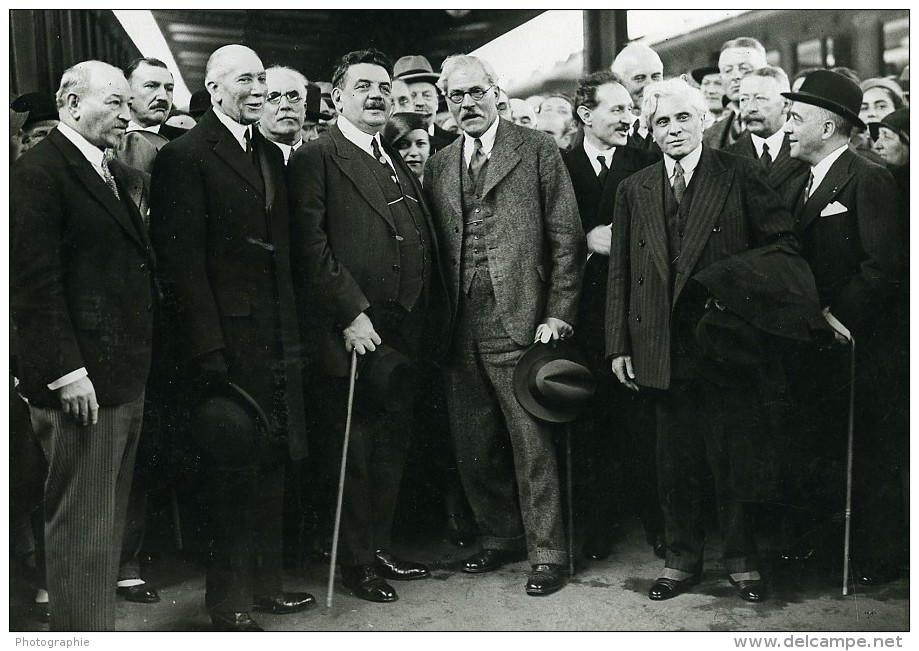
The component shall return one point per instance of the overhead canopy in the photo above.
(311, 40)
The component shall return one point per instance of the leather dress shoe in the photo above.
(283, 603)
(597, 548)
(234, 623)
(753, 590)
(139, 594)
(396, 569)
(460, 533)
(365, 583)
(488, 560)
(665, 588)
(545, 578)
(871, 575)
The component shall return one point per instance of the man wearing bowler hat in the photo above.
(415, 70)
(514, 254)
(365, 260)
(315, 119)
(42, 117)
(847, 217)
(709, 80)
(695, 207)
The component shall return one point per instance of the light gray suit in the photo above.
(513, 255)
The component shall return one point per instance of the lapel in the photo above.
(784, 165)
(582, 169)
(228, 149)
(711, 181)
(131, 182)
(262, 144)
(651, 209)
(91, 180)
(836, 178)
(504, 156)
(744, 147)
(349, 158)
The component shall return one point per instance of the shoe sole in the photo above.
(544, 592)
(390, 577)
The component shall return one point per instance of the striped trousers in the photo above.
(86, 496)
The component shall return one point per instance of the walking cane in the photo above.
(570, 496)
(341, 481)
(849, 454)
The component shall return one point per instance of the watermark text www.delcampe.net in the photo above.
(818, 642)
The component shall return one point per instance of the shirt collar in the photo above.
(92, 153)
(487, 138)
(358, 137)
(238, 130)
(593, 152)
(287, 150)
(820, 169)
(774, 141)
(135, 126)
(431, 129)
(688, 162)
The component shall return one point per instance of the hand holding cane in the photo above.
(341, 480)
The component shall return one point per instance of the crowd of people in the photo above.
(405, 248)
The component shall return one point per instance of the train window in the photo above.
(896, 45)
(774, 58)
(810, 54)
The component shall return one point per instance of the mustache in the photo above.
(470, 113)
(160, 104)
(375, 104)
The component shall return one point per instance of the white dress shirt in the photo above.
(134, 126)
(593, 152)
(820, 169)
(238, 130)
(362, 139)
(287, 150)
(774, 141)
(689, 162)
(488, 142)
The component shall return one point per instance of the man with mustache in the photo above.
(219, 223)
(152, 86)
(763, 112)
(285, 111)
(506, 216)
(366, 271)
(597, 165)
(695, 207)
(738, 58)
(81, 299)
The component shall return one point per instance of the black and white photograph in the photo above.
(440, 320)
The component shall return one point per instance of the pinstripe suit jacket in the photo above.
(733, 209)
(536, 248)
(787, 176)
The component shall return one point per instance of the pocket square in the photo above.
(833, 209)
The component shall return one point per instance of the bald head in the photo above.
(522, 113)
(93, 99)
(235, 78)
(637, 65)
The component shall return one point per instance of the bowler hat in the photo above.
(314, 104)
(414, 67)
(16, 121)
(898, 122)
(229, 426)
(700, 73)
(39, 106)
(552, 381)
(199, 104)
(387, 376)
(831, 91)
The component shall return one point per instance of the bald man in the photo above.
(636, 66)
(220, 227)
(84, 340)
(739, 57)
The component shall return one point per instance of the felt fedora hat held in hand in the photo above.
(553, 382)
(229, 426)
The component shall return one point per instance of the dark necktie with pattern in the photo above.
(604, 170)
(250, 150)
(810, 186)
(378, 154)
(477, 161)
(766, 158)
(679, 182)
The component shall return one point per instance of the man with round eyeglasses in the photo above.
(285, 109)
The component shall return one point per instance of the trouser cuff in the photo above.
(504, 544)
(550, 556)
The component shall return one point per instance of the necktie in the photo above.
(766, 158)
(477, 161)
(679, 182)
(810, 186)
(604, 170)
(375, 148)
(107, 173)
(250, 150)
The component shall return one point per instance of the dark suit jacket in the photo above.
(80, 274)
(221, 233)
(787, 175)
(441, 139)
(532, 230)
(170, 132)
(718, 135)
(595, 206)
(733, 209)
(347, 257)
(855, 254)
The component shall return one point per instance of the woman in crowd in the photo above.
(406, 132)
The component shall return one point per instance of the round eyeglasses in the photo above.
(476, 93)
(292, 96)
